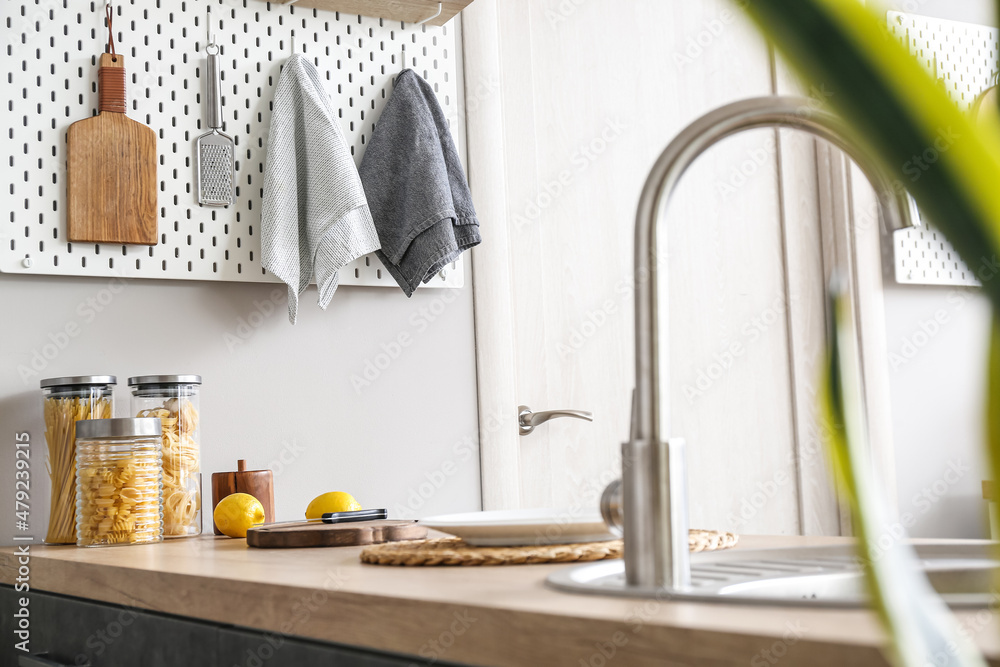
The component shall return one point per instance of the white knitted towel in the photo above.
(314, 216)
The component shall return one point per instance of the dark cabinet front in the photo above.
(71, 631)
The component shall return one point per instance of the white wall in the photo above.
(277, 395)
(938, 345)
(282, 394)
(938, 388)
(286, 389)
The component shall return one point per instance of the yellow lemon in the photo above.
(335, 501)
(236, 513)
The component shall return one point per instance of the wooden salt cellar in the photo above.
(258, 483)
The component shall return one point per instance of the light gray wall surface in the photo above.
(938, 381)
(277, 395)
(282, 396)
(375, 396)
(938, 341)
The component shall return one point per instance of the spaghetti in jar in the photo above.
(68, 400)
(174, 400)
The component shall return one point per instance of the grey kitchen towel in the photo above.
(416, 186)
(314, 216)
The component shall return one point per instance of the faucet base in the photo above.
(653, 496)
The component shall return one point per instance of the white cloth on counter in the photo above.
(314, 216)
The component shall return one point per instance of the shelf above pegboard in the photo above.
(407, 11)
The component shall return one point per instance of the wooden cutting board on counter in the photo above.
(317, 534)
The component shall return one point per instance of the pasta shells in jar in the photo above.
(174, 400)
(118, 482)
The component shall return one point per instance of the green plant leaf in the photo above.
(921, 628)
(993, 404)
(951, 166)
(898, 111)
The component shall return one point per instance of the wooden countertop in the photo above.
(478, 615)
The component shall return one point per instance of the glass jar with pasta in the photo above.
(67, 401)
(118, 482)
(173, 399)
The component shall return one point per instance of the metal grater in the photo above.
(216, 153)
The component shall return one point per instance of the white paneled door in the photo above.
(568, 105)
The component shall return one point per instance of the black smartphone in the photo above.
(357, 515)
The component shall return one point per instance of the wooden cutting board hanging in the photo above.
(111, 167)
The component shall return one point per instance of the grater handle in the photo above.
(213, 96)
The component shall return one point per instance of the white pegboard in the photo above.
(924, 257)
(50, 81)
(963, 57)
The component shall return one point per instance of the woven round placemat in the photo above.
(453, 551)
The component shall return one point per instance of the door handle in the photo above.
(527, 420)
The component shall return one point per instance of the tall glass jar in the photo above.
(173, 399)
(67, 401)
(118, 482)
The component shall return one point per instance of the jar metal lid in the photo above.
(139, 380)
(119, 427)
(78, 380)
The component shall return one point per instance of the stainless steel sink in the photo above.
(964, 573)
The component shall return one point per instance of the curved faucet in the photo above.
(653, 493)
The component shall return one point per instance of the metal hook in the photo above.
(109, 14)
(209, 35)
(402, 51)
(436, 14)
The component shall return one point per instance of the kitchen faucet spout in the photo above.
(653, 495)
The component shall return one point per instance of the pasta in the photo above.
(118, 499)
(61, 415)
(181, 485)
